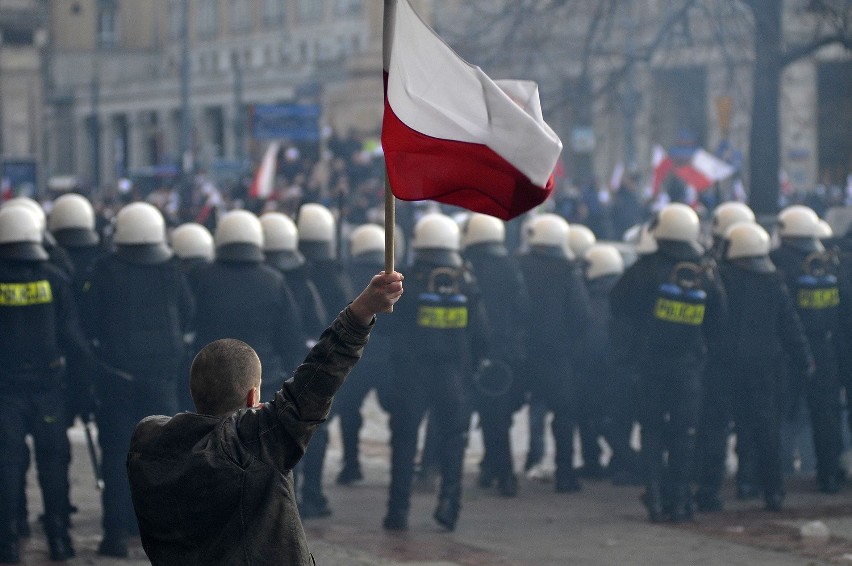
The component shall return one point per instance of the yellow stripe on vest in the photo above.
(818, 298)
(25, 294)
(679, 312)
(442, 317)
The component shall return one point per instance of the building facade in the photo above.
(131, 87)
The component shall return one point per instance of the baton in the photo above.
(93, 456)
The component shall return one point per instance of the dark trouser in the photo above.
(495, 418)
(123, 405)
(371, 372)
(669, 412)
(823, 396)
(716, 417)
(622, 415)
(756, 401)
(309, 469)
(555, 384)
(441, 389)
(42, 414)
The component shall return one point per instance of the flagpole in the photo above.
(390, 204)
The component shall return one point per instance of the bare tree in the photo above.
(567, 41)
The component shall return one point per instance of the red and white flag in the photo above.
(452, 134)
(264, 178)
(700, 172)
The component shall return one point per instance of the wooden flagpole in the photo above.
(390, 203)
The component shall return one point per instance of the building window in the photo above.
(311, 10)
(208, 18)
(348, 7)
(274, 12)
(240, 15)
(107, 23)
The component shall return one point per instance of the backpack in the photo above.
(442, 313)
(679, 308)
(817, 293)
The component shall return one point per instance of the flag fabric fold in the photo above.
(452, 134)
(263, 182)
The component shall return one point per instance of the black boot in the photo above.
(653, 500)
(58, 541)
(682, 509)
(508, 485)
(114, 544)
(447, 513)
(396, 519)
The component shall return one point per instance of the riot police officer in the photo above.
(606, 390)
(194, 248)
(438, 338)
(762, 326)
(57, 255)
(281, 251)
(507, 304)
(676, 307)
(717, 393)
(809, 274)
(318, 244)
(138, 308)
(559, 317)
(366, 257)
(240, 297)
(37, 308)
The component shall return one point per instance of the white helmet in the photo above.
(746, 239)
(367, 238)
(548, 230)
(239, 237)
(677, 222)
(482, 228)
(580, 239)
(31, 205)
(72, 221)
(603, 259)
(316, 223)
(192, 241)
(798, 221)
(436, 231)
(139, 223)
(140, 233)
(729, 213)
(279, 232)
(20, 234)
(824, 230)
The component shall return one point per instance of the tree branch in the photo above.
(800, 51)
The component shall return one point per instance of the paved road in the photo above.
(601, 525)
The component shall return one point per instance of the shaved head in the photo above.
(222, 375)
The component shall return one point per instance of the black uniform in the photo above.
(39, 318)
(507, 304)
(559, 317)
(250, 301)
(818, 308)
(843, 342)
(138, 312)
(605, 390)
(436, 343)
(335, 290)
(371, 373)
(673, 338)
(762, 327)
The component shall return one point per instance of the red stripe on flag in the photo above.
(463, 174)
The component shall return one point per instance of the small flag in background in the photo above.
(264, 178)
(700, 172)
(452, 134)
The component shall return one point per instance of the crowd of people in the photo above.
(110, 302)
